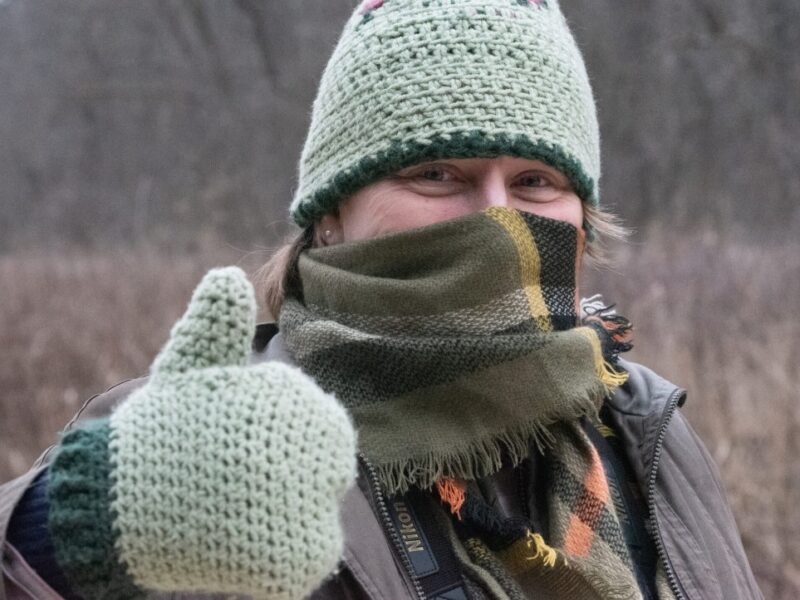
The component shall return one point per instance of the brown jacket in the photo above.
(696, 534)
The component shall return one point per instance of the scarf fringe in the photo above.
(605, 371)
(547, 554)
(481, 458)
(453, 492)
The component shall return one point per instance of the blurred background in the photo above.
(144, 141)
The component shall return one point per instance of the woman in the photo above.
(447, 195)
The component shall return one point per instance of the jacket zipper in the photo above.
(388, 525)
(672, 579)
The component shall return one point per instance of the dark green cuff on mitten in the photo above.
(81, 518)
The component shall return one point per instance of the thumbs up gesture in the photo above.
(215, 476)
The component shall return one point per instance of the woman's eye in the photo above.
(534, 180)
(434, 174)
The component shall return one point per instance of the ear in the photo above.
(328, 230)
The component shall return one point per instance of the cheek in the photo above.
(419, 211)
(366, 216)
(362, 216)
(573, 214)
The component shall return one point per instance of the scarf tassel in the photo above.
(452, 492)
(547, 554)
(607, 374)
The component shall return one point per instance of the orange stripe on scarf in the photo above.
(596, 481)
(579, 537)
(588, 509)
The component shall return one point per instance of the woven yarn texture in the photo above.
(456, 346)
(449, 343)
(223, 477)
(582, 553)
(417, 80)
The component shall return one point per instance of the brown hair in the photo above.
(279, 277)
(608, 228)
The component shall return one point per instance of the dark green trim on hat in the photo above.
(470, 144)
(81, 518)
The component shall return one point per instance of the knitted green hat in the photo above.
(418, 80)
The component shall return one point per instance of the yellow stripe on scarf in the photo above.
(529, 262)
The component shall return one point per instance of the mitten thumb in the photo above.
(216, 328)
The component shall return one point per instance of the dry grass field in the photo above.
(716, 316)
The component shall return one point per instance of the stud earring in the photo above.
(328, 233)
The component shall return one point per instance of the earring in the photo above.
(328, 233)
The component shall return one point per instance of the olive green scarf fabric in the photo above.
(450, 344)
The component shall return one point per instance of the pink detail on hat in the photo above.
(370, 5)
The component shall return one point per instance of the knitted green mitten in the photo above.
(214, 476)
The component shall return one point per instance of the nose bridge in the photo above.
(493, 190)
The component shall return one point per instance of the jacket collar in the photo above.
(644, 393)
(639, 410)
(269, 345)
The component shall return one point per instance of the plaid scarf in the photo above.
(455, 345)
(582, 553)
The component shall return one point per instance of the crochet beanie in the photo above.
(418, 80)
